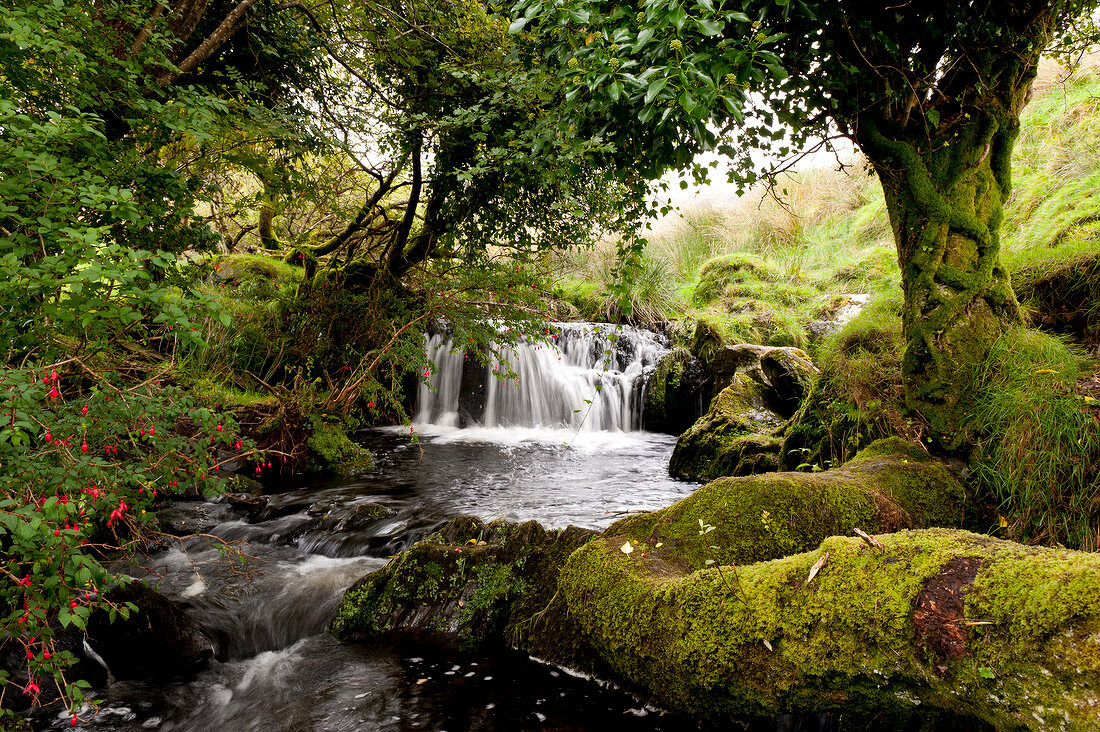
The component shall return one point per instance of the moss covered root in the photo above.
(946, 618)
(886, 487)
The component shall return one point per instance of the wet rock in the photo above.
(732, 438)
(159, 640)
(183, 518)
(676, 394)
(791, 375)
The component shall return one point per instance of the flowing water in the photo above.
(525, 454)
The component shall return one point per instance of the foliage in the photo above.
(94, 214)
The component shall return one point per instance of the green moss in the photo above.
(761, 640)
(740, 520)
(331, 450)
(728, 270)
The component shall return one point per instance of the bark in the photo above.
(945, 197)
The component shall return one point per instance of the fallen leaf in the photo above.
(658, 545)
(626, 548)
(768, 644)
(816, 568)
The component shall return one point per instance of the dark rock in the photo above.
(471, 395)
(791, 375)
(676, 394)
(159, 640)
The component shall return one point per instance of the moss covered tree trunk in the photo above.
(946, 177)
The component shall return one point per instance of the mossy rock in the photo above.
(485, 583)
(716, 444)
(729, 270)
(331, 451)
(791, 374)
(676, 394)
(887, 487)
(944, 619)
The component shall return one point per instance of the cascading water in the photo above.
(588, 376)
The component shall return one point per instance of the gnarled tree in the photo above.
(931, 93)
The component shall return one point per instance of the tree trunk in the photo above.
(945, 198)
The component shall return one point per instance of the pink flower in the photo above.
(84, 410)
(31, 688)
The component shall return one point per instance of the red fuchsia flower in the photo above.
(257, 470)
(72, 722)
(84, 410)
(152, 431)
(54, 393)
(239, 444)
(25, 582)
(45, 378)
(219, 427)
(370, 404)
(269, 463)
(45, 655)
(31, 688)
(72, 603)
(53, 375)
(84, 446)
(49, 437)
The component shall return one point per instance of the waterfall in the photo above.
(589, 376)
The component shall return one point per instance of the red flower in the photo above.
(84, 410)
(31, 688)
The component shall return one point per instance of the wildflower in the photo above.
(152, 431)
(84, 410)
(49, 437)
(84, 446)
(31, 688)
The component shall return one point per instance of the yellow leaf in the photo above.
(626, 548)
(658, 545)
(591, 37)
(1004, 521)
(1046, 371)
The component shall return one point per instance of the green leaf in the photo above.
(517, 25)
(615, 90)
(710, 27)
(655, 88)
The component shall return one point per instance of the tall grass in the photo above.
(1038, 453)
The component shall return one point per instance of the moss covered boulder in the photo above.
(332, 451)
(732, 438)
(887, 487)
(939, 618)
(481, 582)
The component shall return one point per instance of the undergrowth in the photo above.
(1038, 451)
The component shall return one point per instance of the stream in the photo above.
(523, 455)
